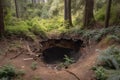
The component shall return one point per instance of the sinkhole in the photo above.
(55, 51)
(56, 54)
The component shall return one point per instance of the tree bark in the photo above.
(1, 18)
(107, 17)
(88, 14)
(17, 10)
(33, 2)
(67, 12)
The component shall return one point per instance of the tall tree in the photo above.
(34, 2)
(88, 14)
(107, 18)
(67, 12)
(20, 6)
(17, 10)
(1, 18)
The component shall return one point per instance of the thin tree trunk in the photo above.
(17, 10)
(67, 12)
(1, 18)
(107, 18)
(33, 2)
(88, 14)
(43, 1)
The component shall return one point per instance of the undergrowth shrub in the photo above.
(100, 14)
(18, 28)
(9, 72)
(34, 65)
(97, 34)
(36, 26)
(110, 58)
(108, 64)
(115, 14)
(100, 73)
(67, 61)
(110, 39)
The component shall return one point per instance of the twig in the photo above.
(72, 74)
(29, 50)
(16, 55)
(28, 59)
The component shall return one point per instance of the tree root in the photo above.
(72, 74)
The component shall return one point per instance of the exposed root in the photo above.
(72, 74)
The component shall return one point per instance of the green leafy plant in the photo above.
(97, 34)
(108, 64)
(113, 74)
(100, 73)
(68, 61)
(9, 72)
(110, 58)
(34, 65)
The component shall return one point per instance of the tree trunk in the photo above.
(33, 2)
(1, 18)
(67, 12)
(88, 14)
(17, 10)
(107, 17)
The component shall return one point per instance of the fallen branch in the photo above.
(16, 55)
(72, 74)
(29, 50)
(28, 59)
(31, 53)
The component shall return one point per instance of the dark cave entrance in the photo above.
(57, 54)
(54, 51)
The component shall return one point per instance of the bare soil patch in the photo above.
(21, 54)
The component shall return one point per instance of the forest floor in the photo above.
(17, 53)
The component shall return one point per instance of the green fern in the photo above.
(113, 75)
(110, 57)
(108, 64)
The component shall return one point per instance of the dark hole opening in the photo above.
(56, 54)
